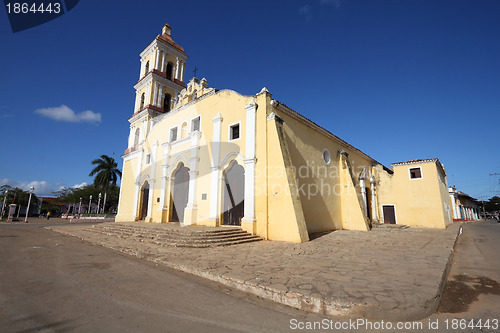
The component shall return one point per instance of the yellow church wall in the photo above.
(320, 185)
(261, 166)
(231, 106)
(126, 212)
(296, 192)
(285, 213)
(384, 190)
(419, 202)
(228, 103)
(445, 200)
(353, 214)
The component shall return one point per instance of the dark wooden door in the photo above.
(145, 201)
(234, 195)
(389, 214)
(181, 193)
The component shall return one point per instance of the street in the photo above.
(55, 283)
(50, 282)
(473, 291)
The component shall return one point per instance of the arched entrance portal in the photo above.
(180, 193)
(234, 195)
(144, 201)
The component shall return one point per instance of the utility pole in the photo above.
(484, 213)
(495, 174)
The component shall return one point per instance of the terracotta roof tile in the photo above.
(167, 39)
(416, 161)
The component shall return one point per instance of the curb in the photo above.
(434, 303)
(298, 300)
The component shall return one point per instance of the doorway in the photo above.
(144, 201)
(389, 213)
(234, 195)
(180, 193)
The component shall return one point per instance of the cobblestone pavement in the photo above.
(390, 274)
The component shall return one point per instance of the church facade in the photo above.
(201, 156)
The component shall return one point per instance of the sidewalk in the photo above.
(390, 274)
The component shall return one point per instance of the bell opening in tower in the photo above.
(166, 102)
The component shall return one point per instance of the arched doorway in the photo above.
(234, 195)
(144, 201)
(180, 193)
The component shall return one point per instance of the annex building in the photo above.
(202, 156)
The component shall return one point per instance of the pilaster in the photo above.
(214, 170)
(249, 207)
(373, 182)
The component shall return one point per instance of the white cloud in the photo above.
(79, 185)
(42, 187)
(64, 113)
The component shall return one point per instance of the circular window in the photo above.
(327, 158)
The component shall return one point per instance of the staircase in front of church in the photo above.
(176, 236)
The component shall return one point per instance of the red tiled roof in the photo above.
(416, 161)
(167, 39)
(51, 200)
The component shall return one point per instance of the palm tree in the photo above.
(106, 172)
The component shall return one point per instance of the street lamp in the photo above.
(29, 202)
(104, 203)
(90, 204)
(99, 203)
(4, 197)
(79, 207)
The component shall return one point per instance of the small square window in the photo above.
(148, 158)
(234, 132)
(195, 124)
(415, 173)
(173, 134)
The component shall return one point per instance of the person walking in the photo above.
(48, 215)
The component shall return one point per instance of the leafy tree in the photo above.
(73, 195)
(493, 204)
(106, 172)
(17, 196)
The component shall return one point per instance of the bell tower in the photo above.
(161, 79)
(163, 64)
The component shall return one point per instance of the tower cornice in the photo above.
(165, 47)
(158, 76)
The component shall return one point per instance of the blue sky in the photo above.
(398, 79)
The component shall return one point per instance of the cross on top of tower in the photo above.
(195, 70)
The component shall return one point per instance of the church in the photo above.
(197, 155)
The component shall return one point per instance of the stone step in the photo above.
(165, 233)
(389, 226)
(179, 238)
(170, 231)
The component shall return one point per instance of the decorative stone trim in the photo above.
(430, 160)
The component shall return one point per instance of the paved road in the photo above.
(50, 282)
(473, 287)
(387, 273)
(54, 283)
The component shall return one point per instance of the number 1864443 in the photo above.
(26, 8)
